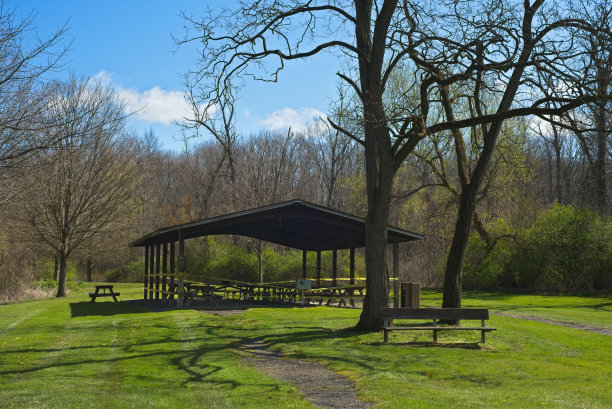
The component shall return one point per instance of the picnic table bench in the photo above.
(103, 288)
(435, 314)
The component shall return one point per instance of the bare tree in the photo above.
(24, 61)
(333, 152)
(593, 124)
(85, 182)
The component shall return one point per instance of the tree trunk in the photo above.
(63, 272)
(55, 268)
(456, 255)
(377, 280)
(89, 270)
(378, 158)
(558, 166)
(599, 169)
(379, 181)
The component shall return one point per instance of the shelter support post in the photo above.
(164, 283)
(181, 268)
(352, 272)
(172, 257)
(334, 268)
(146, 272)
(157, 270)
(318, 269)
(181, 254)
(396, 286)
(151, 271)
(304, 264)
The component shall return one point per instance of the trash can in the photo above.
(410, 295)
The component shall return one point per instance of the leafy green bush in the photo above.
(566, 249)
(485, 265)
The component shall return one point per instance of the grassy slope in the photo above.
(71, 353)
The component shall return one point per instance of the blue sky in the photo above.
(129, 44)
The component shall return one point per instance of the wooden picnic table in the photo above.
(335, 293)
(104, 288)
(204, 291)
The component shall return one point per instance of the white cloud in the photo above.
(155, 105)
(287, 117)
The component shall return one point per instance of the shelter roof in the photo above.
(294, 223)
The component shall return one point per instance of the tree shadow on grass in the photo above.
(104, 308)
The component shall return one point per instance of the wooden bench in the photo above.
(435, 314)
(104, 287)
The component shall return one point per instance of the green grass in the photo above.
(592, 310)
(69, 353)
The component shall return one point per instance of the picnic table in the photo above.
(104, 293)
(341, 294)
(206, 292)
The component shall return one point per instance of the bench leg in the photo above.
(435, 335)
(93, 299)
(386, 336)
(115, 298)
(482, 336)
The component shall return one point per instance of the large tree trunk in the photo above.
(378, 159)
(456, 255)
(89, 270)
(55, 268)
(379, 181)
(377, 280)
(63, 272)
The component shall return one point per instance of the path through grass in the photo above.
(69, 353)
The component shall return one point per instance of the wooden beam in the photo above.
(181, 253)
(151, 271)
(146, 272)
(172, 257)
(318, 269)
(352, 272)
(334, 267)
(157, 269)
(396, 287)
(164, 271)
(352, 266)
(304, 264)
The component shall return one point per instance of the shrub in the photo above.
(566, 249)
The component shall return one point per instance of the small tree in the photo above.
(85, 182)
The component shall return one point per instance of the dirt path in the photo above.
(562, 323)
(321, 386)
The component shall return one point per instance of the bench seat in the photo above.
(104, 295)
(390, 314)
(486, 329)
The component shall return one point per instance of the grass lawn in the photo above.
(69, 353)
